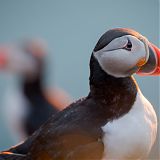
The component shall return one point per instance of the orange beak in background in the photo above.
(3, 57)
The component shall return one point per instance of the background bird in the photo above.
(114, 114)
(27, 104)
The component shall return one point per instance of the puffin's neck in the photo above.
(117, 95)
(32, 89)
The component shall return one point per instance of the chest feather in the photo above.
(132, 135)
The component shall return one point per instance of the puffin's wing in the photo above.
(19, 152)
(71, 146)
(89, 151)
(69, 135)
(11, 156)
(23, 147)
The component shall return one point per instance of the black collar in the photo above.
(115, 95)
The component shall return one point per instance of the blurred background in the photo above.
(71, 29)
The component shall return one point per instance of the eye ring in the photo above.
(128, 47)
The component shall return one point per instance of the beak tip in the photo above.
(152, 67)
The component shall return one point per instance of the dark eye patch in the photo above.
(128, 47)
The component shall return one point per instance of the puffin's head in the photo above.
(121, 52)
(23, 59)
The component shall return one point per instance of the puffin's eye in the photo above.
(128, 47)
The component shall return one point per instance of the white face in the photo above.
(19, 62)
(122, 56)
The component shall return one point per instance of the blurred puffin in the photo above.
(115, 121)
(27, 104)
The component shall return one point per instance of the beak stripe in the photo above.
(145, 41)
(157, 51)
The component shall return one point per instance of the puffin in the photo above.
(115, 120)
(27, 104)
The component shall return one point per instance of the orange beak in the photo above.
(3, 57)
(152, 66)
(157, 52)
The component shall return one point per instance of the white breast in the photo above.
(14, 110)
(131, 136)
